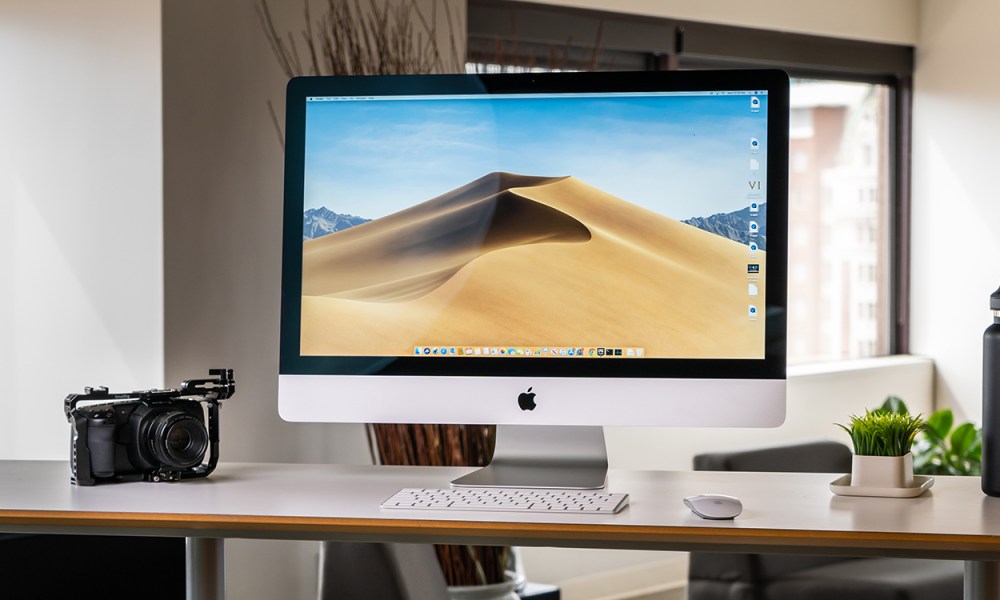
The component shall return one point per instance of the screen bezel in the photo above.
(772, 366)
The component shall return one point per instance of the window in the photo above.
(848, 171)
(847, 125)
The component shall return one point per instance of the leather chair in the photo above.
(724, 576)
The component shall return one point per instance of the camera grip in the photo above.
(101, 444)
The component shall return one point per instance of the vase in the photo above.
(882, 471)
(505, 590)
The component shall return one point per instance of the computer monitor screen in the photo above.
(546, 249)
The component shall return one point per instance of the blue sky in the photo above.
(682, 156)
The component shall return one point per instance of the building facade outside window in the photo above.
(838, 246)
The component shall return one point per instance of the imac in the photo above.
(549, 252)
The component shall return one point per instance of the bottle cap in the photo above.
(995, 300)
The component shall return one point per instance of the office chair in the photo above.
(725, 576)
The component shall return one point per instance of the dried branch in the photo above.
(276, 123)
(380, 38)
(277, 46)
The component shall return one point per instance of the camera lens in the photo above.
(178, 440)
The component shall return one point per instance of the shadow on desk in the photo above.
(89, 566)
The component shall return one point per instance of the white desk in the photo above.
(783, 513)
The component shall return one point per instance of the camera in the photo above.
(149, 435)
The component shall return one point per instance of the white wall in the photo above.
(890, 21)
(223, 194)
(223, 190)
(956, 204)
(81, 298)
(223, 173)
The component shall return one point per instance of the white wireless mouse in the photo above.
(714, 506)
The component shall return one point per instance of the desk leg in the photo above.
(982, 580)
(205, 560)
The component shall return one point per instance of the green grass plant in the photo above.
(883, 433)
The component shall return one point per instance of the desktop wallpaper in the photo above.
(468, 224)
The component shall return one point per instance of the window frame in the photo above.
(527, 33)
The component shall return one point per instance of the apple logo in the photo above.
(526, 400)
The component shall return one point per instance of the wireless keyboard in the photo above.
(509, 499)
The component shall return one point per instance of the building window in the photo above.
(800, 162)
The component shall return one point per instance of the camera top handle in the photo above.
(210, 390)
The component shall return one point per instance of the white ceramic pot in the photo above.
(506, 590)
(882, 471)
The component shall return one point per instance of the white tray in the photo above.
(842, 487)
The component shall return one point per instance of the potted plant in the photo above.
(882, 441)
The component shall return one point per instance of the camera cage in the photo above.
(210, 392)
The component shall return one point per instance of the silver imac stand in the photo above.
(542, 456)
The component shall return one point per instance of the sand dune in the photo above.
(420, 248)
(515, 260)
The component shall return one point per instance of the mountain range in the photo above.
(317, 222)
(735, 225)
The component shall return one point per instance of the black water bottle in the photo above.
(991, 401)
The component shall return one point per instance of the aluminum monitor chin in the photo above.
(536, 249)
